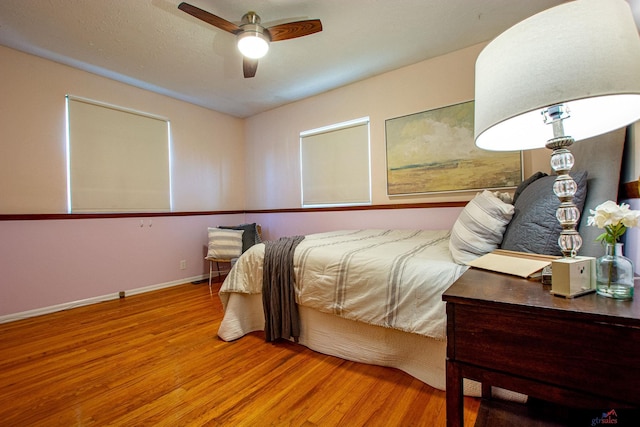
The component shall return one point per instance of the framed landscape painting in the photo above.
(434, 152)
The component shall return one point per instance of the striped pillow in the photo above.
(224, 244)
(250, 237)
(480, 227)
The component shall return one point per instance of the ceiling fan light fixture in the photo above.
(253, 44)
(252, 38)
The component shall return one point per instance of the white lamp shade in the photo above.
(253, 44)
(584, 54)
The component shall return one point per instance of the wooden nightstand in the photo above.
(512, 333)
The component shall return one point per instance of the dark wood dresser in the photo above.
(512, 333)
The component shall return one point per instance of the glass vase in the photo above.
(614, 274)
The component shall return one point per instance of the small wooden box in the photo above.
(572, 277)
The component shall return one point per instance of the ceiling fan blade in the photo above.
(249, 67)
(209, 18)
(291, 30)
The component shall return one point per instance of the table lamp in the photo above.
(566, 74)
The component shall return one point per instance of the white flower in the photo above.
(614, 219)
(609, 213)
(604, 214)
(630, 218)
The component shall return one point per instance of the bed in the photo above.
(374, 296)
(342, 278)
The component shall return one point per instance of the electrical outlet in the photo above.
(183, 264)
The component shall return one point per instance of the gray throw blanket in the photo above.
(278, 291)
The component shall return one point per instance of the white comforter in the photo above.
(390, 278)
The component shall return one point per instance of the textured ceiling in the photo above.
(153, 45)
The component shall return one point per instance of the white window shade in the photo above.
(118, 159)
(335, 165)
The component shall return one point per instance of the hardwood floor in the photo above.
(155, 359)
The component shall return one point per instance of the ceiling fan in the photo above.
(253, 38)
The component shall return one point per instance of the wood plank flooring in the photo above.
(155, 359)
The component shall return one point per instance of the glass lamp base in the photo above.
(565, 188)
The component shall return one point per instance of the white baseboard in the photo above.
(93, 300)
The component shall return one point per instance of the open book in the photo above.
(515, 263)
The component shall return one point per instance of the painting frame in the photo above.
(433, 152)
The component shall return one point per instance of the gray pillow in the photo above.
(524, 184)
(534, 227)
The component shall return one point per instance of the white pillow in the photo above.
(224, 243)
(480, 227)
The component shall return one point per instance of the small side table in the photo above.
(511, 333)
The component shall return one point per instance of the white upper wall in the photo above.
(208, 147)
(272, 138)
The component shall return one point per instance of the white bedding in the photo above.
(389, 278)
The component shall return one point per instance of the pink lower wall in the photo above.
(45, 263)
